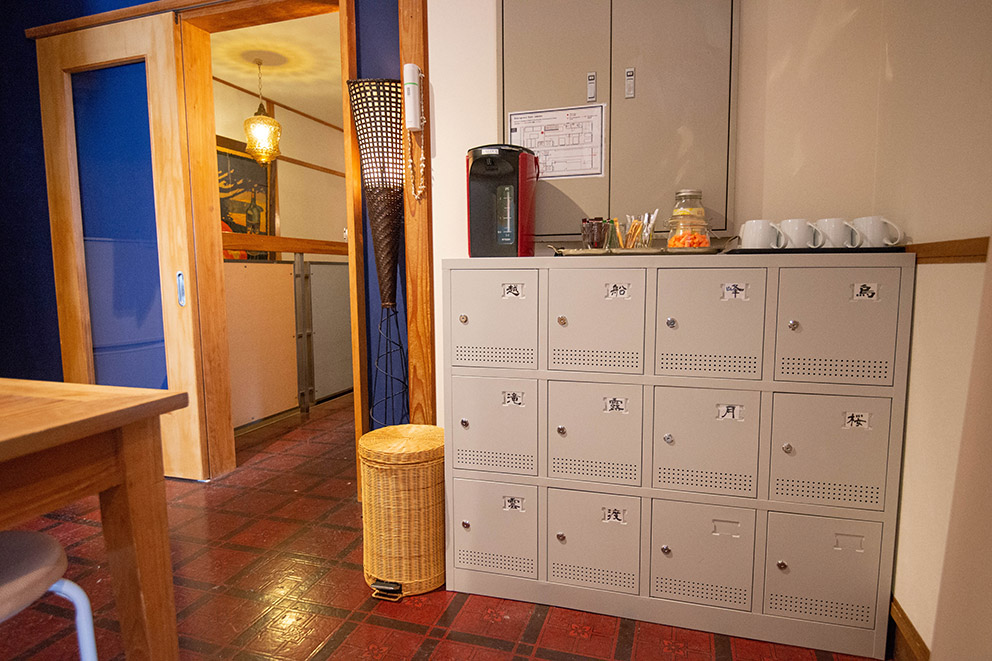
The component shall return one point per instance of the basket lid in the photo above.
(402, 444)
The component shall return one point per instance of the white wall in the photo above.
(845, 108)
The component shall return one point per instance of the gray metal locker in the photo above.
(837, 325)
(710, 322)
(494, 318)
(594, 539)
(822, 569)
(495, 424)
(594, 431)
(702, 554)
(596, 320)
(706, 440)
(495, 527)
(830, 449)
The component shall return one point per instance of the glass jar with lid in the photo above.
(689, 202)
(688, 233)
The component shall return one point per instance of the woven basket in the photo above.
(403, 506)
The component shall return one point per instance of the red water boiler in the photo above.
(501, 183)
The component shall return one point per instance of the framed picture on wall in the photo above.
(247, 195)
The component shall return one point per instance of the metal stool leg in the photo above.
(84, 616)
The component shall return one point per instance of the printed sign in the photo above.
(865, 291)
(512, 290)
(614, 405)
(618, 290)
(515, 503)
(857, 420)
(734, 291)
(729, 411)
(569, 142)
(614, 515)
(513, 398)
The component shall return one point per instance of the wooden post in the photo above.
(418, 227)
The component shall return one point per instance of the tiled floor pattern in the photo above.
(268, 565)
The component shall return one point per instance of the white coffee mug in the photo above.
(761, 234)
(800, 233)
(876, 231)
(838, 233)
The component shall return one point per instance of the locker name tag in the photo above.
(617, 290)
(614, 515)
(515, 503)
(513, 398)
(864, 291)
(615, 405)
(729, 411)
(857, 420)
(846, 541)
(512, 290)
(734, 291)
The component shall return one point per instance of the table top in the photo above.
(36, 415)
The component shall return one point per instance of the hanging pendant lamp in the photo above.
(262, 132)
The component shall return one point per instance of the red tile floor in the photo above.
(268, 565)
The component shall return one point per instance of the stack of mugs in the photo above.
(801, 234)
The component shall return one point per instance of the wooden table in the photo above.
(60, 442)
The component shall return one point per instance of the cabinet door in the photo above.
(495, 424)
(710, 322)
(494, 318)
(830, 450)
(594, 432)
(674, 132)
(702, 554)
(837, 325)
(706, 440)
(549, 48)
(594, 540)
(822, 569)
(596, 320)
(495, 527)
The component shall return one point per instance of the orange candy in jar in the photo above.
(688, 232)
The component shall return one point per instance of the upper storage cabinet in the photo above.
(837, 325)
(661, 71)
(494, 318)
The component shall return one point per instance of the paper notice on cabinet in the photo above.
(568, 141)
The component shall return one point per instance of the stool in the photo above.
(403, 509)
(32, 564)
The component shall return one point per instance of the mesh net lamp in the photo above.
(377, 110)
(262, 132)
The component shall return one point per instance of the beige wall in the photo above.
(845, 108)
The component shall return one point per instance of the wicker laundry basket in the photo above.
(403, 508)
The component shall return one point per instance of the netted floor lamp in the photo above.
(377, 109)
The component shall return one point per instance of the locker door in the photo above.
(702, 554)
(822, 569)
(495, 527)
(495, 424)
(121, 244)
(710, 322)
(594, 431)
(706, 440)
(596, 320)
(837, 325)
(830, 450)
(594, 540)
(494, 318)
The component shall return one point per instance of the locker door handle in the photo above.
(562, 320)
(560, 537)
(466, 525)
(671, 322)
(463, 318)
(787, 448)
(793, 325)
(465, 423)
(668, 438)
(782, 564)
(666, 549)
(561, 430)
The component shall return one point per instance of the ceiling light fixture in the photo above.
(262, 132)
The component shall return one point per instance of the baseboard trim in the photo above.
(905, 643)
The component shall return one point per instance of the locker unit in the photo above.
(494, 408)
(730, 471)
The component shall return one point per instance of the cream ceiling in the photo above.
(301, 63)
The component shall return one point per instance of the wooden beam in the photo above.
(237, 14)
(239, 241)
(356, 236)
(907, 644)
(418, 228)
(959, 251)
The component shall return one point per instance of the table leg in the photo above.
(135, 527)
